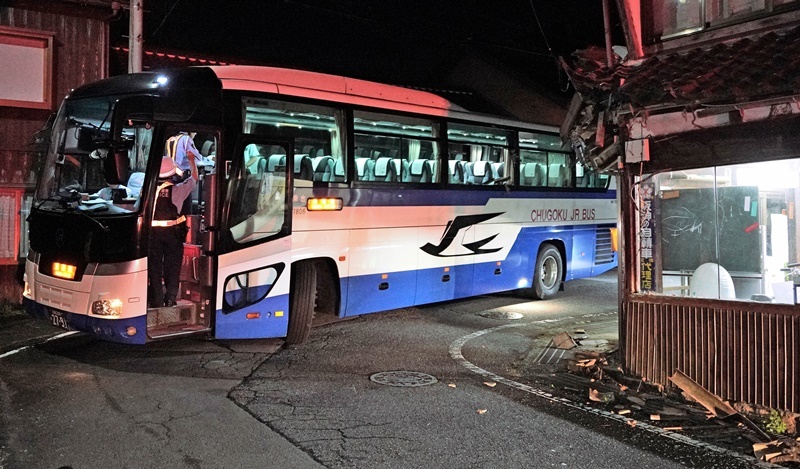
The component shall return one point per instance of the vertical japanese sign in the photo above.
(646, 227)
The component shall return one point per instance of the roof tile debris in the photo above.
(746, 69)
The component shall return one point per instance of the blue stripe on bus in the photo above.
(388, 197)
(273, 320)
(114, 330)
(372, 293)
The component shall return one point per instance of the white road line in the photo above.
(455, 353)
(55, 337)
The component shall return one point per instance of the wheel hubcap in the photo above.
(549, 272)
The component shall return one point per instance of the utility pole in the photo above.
(135, 40)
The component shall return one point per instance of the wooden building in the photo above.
(700, 123)
(47, 48)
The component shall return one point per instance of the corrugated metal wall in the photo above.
(740, 355)
(81, 47)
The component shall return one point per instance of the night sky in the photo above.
(404, 42)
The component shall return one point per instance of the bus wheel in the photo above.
(548, 273)
(303, 294)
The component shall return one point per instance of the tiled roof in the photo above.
(747, 69)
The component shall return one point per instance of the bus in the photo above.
(318, 195)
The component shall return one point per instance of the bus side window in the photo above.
(258, 195)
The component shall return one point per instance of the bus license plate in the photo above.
(58, 319)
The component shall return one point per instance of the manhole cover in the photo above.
(500, 315)
(408, 379)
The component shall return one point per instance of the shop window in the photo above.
(722, 232)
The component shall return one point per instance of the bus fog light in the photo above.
(131, 331)
(107, 307)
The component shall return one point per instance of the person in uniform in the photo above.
(181, 149)
(169, 232)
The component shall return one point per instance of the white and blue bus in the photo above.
(318, 194)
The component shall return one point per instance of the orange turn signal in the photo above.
(322, 204)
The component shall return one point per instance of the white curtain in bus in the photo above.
(144, 138)
(337, 142)
(413, 149)
(475, 152)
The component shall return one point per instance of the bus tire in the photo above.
(548, 272)
(303, 298)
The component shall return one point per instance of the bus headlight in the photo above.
(107, 307)
(26, 291)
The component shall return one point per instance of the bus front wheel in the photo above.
(548, 272)
(303, 294)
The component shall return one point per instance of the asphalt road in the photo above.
(206, 404)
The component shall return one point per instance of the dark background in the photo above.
(403, 42)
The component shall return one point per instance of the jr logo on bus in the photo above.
(451, 231)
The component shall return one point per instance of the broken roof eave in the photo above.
(670, 118)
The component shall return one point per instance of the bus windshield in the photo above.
(91, 167)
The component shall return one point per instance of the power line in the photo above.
(544, 36)
(166, 16)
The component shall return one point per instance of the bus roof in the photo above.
(305, 84)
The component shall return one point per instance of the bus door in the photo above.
(253, 271)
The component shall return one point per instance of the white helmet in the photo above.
(168, 168)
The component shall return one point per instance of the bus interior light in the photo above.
(65, 271)
(324, 204)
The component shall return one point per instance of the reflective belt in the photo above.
(163, 223)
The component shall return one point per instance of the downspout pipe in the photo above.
(607, 31)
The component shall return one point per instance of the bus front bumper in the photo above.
(124, 330)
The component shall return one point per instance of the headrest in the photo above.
(338, 168)
(418, 167)
(298, 162)
(382, 166)
(479, 168)
(274, 161)
(530, 169)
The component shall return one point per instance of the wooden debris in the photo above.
(451, 385)
(778, 451)
(564, 341)
(708, 400)
(712, 402)
(636, 400)
(673, 429)
(672, 411)
(491, 384)
(598, 396)
(481, 411)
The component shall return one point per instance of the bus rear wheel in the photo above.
(548, 272)
(303, 298)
